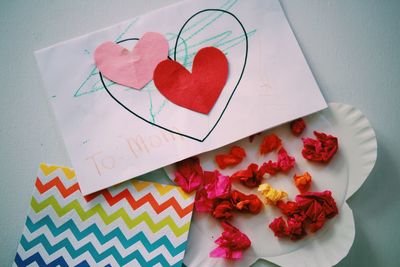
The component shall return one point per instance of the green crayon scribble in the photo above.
(224, 41)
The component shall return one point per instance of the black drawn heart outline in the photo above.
(176, 44)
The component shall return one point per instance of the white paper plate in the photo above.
(357, 145)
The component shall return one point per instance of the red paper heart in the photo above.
(199, 90)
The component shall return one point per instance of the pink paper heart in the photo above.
(133, 69)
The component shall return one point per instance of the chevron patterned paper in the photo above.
(136, 223)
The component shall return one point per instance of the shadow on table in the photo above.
(370, 205)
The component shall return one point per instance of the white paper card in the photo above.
(115, 133)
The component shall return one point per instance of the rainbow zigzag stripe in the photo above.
(136, 223)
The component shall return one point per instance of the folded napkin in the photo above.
(135, 223)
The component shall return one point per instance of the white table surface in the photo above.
(353, 48)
